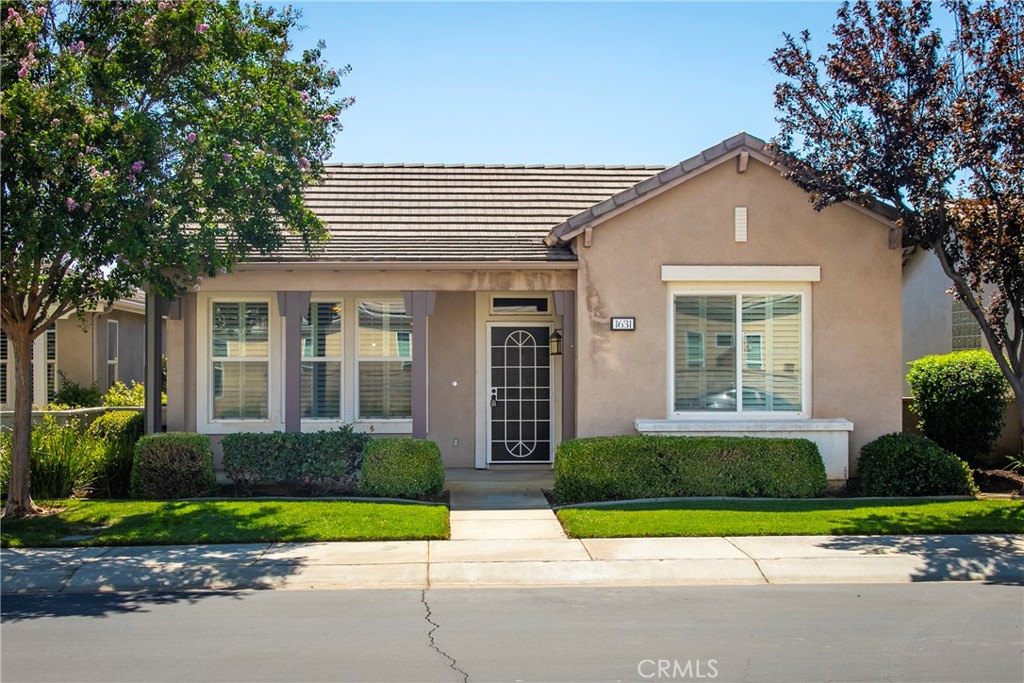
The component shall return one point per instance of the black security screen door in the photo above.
(520, 395)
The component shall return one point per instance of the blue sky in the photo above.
(590, 83)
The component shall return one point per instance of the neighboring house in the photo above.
(501, 309)
(104, 346)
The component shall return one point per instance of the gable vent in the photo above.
(741, 223)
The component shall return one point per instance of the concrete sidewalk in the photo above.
(522, 563)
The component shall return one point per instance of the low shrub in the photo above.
(402, 468)
(121, 395)
(172, 465)
(909, 465)
(628, 467)
(315, 462)
(64, 462)
(119, 430)
(73, 395)
(961, 398)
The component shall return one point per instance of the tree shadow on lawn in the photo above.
(989, 557)
(155, 574)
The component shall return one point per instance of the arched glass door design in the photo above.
(519, 394)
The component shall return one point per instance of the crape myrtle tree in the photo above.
(146, 143)
(933, 127)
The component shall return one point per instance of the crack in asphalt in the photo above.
(433, 643)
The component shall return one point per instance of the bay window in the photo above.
(384, 360)
(240, 355)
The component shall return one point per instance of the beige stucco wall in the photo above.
(927, 310)
(622, 376)
(75, 349)
(451, 408)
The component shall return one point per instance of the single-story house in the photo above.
(102, 346)
(499, 310)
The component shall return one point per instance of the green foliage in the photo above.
(628, 467)
(119, 430)
(961, 398)
(74, 395)
(172, 465)
(64, 462)
(317, 462)
(120, 395)
(908, 465)
(402, 468)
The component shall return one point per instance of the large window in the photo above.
(384, 360)
(322, 361)
(240, 354)
(713, 375)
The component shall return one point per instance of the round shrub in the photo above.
(908, 465)
(119, 430)
(172, 465)
(961, 398)
(402, 468)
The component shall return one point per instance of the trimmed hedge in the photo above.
(173, 465)
(908, 465)
(119, 430)
(402, 468)
(629, 467)
(960, 398)
(318, 462)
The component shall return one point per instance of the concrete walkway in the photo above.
(504, 534)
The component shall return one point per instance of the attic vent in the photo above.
(741, 224)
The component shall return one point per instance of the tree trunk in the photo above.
(19, 488)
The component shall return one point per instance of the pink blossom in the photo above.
(71, 204)
(332, 73)
(2, 135)
(23, 72)
(74, 137)
(304, 95)
(162, 5)
(137, 167)
(202, 28)
(77, 48)
(227, 158)
(54, 122)
(236, 143)
(12, 15)
(106, 174)
(40, 11)
(327, 117)
(191, 137)
(303, 163)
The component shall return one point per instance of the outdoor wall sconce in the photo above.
(555, 342)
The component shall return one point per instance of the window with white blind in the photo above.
(51, 363)
(5, 372)
(765, 375)
(240, 359)
(112, 352)
(322, 345)
(384, 360)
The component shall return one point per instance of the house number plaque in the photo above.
(623, 324)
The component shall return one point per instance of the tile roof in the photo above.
(442, 212)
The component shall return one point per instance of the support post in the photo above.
(565, 306)
(156, 309)
(292, 306)
(419, 305)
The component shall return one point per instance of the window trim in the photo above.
(342, 301)
(738, 289)
(205, 421)
(358, 359)
(520, 295)
(117, 355)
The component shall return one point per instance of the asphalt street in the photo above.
(867, 632)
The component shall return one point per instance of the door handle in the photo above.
(494, 398)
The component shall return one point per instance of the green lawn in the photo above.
(107, 522)
(795, 518)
